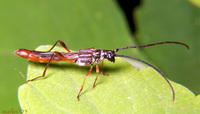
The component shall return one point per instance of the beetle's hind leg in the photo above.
(61, 43)
(51, 58)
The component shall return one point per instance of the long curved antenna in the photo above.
(166, 42)
(173, 93)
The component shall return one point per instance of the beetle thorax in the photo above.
(89, 56)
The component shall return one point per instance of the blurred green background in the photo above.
(99, 24)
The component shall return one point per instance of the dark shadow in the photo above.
(72, 67)
(128, 7)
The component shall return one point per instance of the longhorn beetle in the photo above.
(86, 57)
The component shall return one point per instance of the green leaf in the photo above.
(28, 24)
(125, 90)
(172, 20)
(195, 2)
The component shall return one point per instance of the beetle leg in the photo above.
(61, 43)
(84, 81)
(63, 57)
(97, 71)
(44, 72)
(102, 70)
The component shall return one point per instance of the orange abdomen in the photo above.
(37, 56)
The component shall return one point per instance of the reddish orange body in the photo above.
(43, 57)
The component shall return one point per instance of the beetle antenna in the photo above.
(166, 42)
(173, 93)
